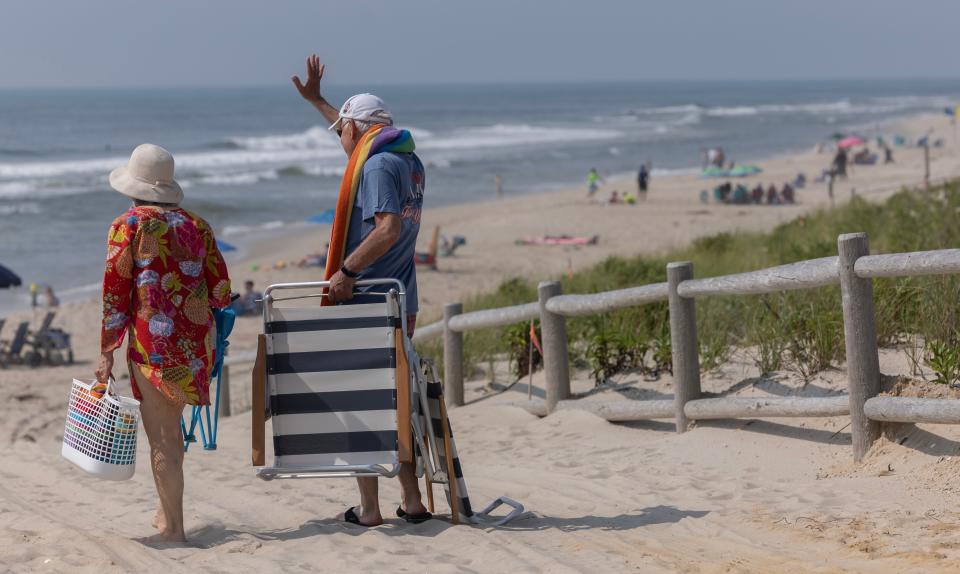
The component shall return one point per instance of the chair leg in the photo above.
(428, 484)
(451, 473)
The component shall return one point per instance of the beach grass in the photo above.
(799, 331)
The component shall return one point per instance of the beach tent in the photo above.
(8, 278)
(850, 141)
(324, 217)
(225, 247)
(744, 170)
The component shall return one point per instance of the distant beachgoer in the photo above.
(52, 300)
(787, 194)
(498, 184)
(643, 180)
(887, 154)
(614, 197)
(800, 181)
(724, 191)
(630, 198)
(772, 197)
(593, 181)
(34, 291)
(163, 274)
(740, 194)
(250, 302)
(840, 163)
(757, 194)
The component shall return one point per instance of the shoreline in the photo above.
(264, 254)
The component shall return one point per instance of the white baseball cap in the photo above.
(365, 108)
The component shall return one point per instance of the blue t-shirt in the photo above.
(390, 183)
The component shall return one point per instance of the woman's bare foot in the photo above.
(165, 539)
(159, 519)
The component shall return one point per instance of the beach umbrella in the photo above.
(224, 246)
(744, 170)
(715, 172)
(8, 278)
(324, 217)
(850, 141)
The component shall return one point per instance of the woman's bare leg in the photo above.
(161, 421)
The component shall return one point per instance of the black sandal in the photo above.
(413, 518)
(351, 517)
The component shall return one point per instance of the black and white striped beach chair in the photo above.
(348, 395)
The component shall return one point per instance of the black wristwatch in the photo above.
(348, 273)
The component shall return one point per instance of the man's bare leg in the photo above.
(369, 511)
(410, 500)
(161, 421)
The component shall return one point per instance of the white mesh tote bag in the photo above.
(101, 430)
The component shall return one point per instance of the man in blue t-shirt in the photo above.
(381, 239)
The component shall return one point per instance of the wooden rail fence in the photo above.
(853, 269)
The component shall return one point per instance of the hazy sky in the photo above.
(90, 43)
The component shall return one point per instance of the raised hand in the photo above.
(310, 90)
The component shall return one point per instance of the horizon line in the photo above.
(463, 83)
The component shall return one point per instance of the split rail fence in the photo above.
(853, 269)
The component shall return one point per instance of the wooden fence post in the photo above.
(860, 338)
(452, 356)
(683, 342)
(556, 366)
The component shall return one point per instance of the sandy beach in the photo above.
(730, 496)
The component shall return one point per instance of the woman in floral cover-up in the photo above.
(163, 275)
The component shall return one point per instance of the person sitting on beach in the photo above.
(250, 302)
(163, 274)
(864, 157)
(614, 197)
(800, 181)
(740, 195)
(757, 194)
(52, 300)
(381, 242)
(772, 197)
(787, 194)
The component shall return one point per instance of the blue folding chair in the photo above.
(200, 416)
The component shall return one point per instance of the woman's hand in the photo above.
(310, 90)
(105, 367)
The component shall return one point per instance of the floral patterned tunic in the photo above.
(163, 274)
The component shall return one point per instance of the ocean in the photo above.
(254, 159)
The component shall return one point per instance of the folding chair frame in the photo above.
(398, 295)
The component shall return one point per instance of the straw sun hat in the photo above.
(148, 176)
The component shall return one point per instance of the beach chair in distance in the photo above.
(348, 396)
(10, 351)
